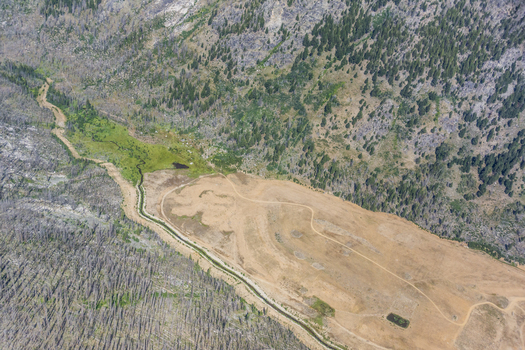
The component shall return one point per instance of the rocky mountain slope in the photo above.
(408, 107)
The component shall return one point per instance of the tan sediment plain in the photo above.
(297, 243)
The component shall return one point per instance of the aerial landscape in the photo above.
(262, 174)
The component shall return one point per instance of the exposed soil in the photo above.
(60, 118)
(363, 264)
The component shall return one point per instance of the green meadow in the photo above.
(97, 137)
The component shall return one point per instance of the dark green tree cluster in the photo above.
(212, 16)
(415, 196)
(135, 39)
(435, 51)
(325, 171)
(224, 54)
(21, 75)
(220, 52)
(495, 167)
(515, 103)
(423, 106)
(186, 94)
(58, 98)
(502, 83)
(58, 7)
(251, 19)
(264, 129)
(346, 35)
(285, 90)
(513, 30)
(443, 39)
(327, 34)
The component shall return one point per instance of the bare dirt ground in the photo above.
(363, 264)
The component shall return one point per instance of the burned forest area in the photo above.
(408, 109)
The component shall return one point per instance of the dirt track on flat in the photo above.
(363, 264)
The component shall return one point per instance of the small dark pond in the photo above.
(180, 166)
(398, 320)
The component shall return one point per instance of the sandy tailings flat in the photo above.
(363, 264)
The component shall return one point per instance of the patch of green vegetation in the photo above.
(226, 162)
(198, 217)
(125, 237)
(186, 34)
(398, 320)
(390, 169)
(124, 299)
(158, 22)
(318, 319)
(326, 93)
(323, 309)
(378, 20)
(270, 54)
(491, 250)
(202, 12)
(457, 205)
(102, 138)
(164, 295)
(438, 110)
(467, 183)
(100, 304)
(201, 17)
(204, 192)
